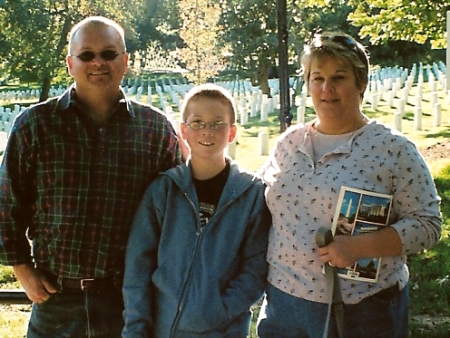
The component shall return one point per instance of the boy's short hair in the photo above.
(97, 20)
(212, 91)
(337, 46)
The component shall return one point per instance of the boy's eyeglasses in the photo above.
(199, 125)
(107, 55)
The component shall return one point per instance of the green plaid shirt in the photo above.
(73, 188)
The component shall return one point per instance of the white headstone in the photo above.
(417, 118)
(244, 116)
(231, 149)
(263, 143)
(398, 121)
(437, 115)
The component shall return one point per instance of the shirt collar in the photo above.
(68, 98)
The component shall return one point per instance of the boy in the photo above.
(196, 258)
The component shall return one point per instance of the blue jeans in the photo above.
(383, 315)
(78, 315)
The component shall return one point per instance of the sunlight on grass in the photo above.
(13, 320)
(7, 278)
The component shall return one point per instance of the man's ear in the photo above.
(126, 57)
(69, 64)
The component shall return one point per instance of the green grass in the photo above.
(430, 270)
(430, 274)
(13, 320)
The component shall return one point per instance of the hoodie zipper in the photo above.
(199, 233)
(180, 306)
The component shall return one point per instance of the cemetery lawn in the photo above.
(430, 270)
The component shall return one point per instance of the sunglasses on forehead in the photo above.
(345, 42)
(342, 40)
(107, 55)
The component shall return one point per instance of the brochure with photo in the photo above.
(357, 212)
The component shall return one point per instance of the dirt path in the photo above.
(440, 150)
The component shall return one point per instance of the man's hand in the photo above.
(36, 286)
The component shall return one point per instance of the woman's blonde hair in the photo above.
(337, 46)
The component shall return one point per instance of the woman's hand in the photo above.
(341, 252)
(345, 250)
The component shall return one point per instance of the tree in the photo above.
(160, 22)
(308, 17)
(285, 116)
(36, 34)
(250, 34)
(418, 21)
(199, 28)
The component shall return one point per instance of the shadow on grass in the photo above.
(443, 133)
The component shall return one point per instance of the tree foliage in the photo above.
(160, 21)
(35, 32)
(308, 17)
(199, 29)
(416, 21)
(250, 34)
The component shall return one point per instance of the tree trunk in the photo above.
(45, 89)
(47, 76)
(263, 79)
(285, 116)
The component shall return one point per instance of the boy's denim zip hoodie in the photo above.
(183, 280)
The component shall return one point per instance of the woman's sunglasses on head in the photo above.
(344, 41)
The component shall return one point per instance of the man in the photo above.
(74, 170)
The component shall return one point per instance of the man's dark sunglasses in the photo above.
(107, 55)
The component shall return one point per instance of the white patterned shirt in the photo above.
(302, 197)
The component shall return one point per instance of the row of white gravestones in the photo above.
(3, 139)
(135, 86)
(394, 87)
(385, 85)
(29, 94)
(249, 100)
(7, 116)
(19, 95)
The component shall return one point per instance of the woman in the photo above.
(304, 175)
